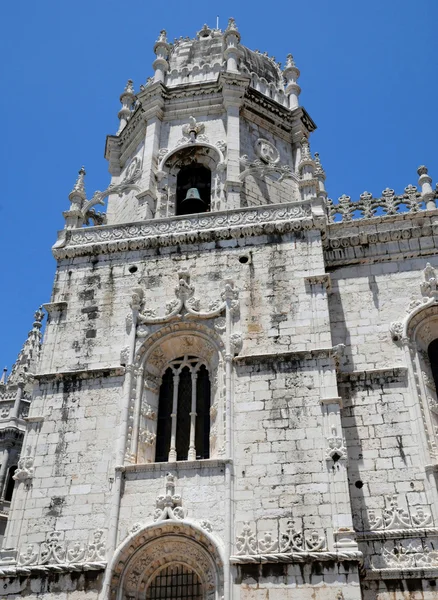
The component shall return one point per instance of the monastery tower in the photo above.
(236, 393)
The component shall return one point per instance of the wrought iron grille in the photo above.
(175, 582)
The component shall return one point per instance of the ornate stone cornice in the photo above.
(22, 571)
(298, 557)
(379, 237)
(295, 355)
(208, 463)
(247, 222)
(390, 534)
(395, 373)
(81, 374)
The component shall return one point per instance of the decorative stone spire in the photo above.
(160, 64)
(307, 167)
(127, 99)
(232, 40)
(291, 74)
(3, 377)
(427, 193)
(320, 176)
(73, 216)
(30, 352)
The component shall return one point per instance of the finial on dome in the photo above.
(231, 25)
(205, 32)
(161, 49)
(163, 36)
(3, 377)
(290, 62)
(291, 74)
(129, 87)
(127, 99)
(232, 51)
(427, 193)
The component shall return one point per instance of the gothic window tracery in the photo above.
(183, 424)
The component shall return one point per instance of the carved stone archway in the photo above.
(146, 552)
(167, 343)
(203, 153)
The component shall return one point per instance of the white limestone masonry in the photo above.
(315, 476)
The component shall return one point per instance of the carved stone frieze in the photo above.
(201, 228)
(291, 540)
(395, 517)
(55, 551)
(407, 554)
(186, 304)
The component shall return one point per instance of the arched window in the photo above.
(183, 427)
(10, 484)
(193, 190)
(175, 582)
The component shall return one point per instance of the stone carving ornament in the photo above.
(56, 551)
(266, 164)
(25, 469)
(395, 517)
(169, 504)
(292, 540)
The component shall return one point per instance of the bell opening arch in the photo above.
(190, 167)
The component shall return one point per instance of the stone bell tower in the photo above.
(185, 438)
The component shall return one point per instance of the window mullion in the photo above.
(172, 451)
(192, 448)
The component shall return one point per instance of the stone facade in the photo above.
(314, 320)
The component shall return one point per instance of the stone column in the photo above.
(234, 88)
(172, 451)
(427, 193)
(161, 49)
(16, 408)
(293, 90)
(4, 467)
(192, 447)
(152, 101)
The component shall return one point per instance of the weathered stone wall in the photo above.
(73, 450)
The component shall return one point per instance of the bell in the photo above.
(193, 203)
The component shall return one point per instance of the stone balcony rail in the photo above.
(389, 204)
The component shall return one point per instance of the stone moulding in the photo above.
(411, 573)
(279, 218)
(209, 463)
(81, 374)
(310, 354)
(390, 534)
(298, 557)
(361, 239)
(20, 571)
(373, 375)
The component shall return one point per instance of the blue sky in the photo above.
(368, 78)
